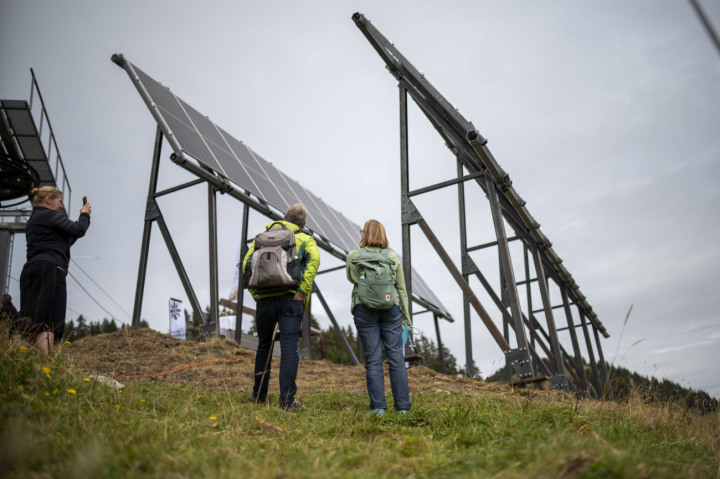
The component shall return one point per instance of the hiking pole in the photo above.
(267, 361)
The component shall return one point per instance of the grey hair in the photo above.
(296, 214)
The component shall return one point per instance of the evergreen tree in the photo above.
(427, 348)
(81, 329)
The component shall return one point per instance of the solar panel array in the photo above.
(213, 147)
(20, 121)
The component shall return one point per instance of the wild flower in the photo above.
(213, 418)
(87, 380)
(47, 393)
(46, 370)
(55, 391)
(72, 391)
(67, 342)
(23, 349)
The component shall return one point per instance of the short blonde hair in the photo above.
(296, 214)
(374, 235)
(38, 195)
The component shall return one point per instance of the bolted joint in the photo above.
(519, 359)
(559, 382)
(410, 214)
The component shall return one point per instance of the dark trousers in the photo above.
(288, 314)
(43, 296)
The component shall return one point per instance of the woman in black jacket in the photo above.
(49, 234)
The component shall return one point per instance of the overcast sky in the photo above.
(606, 115)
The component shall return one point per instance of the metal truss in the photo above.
(542, 357)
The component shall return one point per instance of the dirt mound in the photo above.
(222, 364)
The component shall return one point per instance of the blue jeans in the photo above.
(288, 314)
(377, 327)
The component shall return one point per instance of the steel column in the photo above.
(441, 353)
(576, 345)
(212, 239)
(597, 385)
(465, 274)
(147, 229)
(404, 190)
(505, 263)
(240, 289)
(607, 391)
(559, 381)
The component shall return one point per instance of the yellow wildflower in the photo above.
(142, 400)
(67, 342)
(117, 406)
(46, 369)
(21, 387)
(218, 404)
(47, 394)
(87, 380)
(71, 391)
(23, 349)
(55, 391)
(213, 418)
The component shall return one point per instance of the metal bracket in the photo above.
(468, 265)
(474, 137)
(152, 212)
(410, 214)
(519, 358)
(560, 382)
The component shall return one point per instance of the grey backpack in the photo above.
(273, 265)
(376, 285)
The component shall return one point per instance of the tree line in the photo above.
(627, 384)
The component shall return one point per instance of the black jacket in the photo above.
(50, 234)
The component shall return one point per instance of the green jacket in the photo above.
(307, 252)
(353, 275)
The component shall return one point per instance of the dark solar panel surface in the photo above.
(214, 148)
(23, 128)
(21, 121)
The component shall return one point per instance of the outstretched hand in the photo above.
(86, 208)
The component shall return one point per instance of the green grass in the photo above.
(160, 430)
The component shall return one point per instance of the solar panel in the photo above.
(23, 128)
(194, 135)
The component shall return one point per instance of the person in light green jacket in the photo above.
(285, 309)
(381, 327)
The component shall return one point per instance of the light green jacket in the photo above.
(307, 251)
(353, 275)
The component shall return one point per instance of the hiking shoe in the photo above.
(376, 412)
(252, 399)
(403, 411)
(294, 407)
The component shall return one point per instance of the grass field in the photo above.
(58, 420)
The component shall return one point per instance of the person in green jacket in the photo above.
(286, 309)
(381, 327)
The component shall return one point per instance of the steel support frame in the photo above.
(559, 361)
(154, 215)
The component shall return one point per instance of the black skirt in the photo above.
(43, 296)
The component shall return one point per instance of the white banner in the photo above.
(177, 319)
